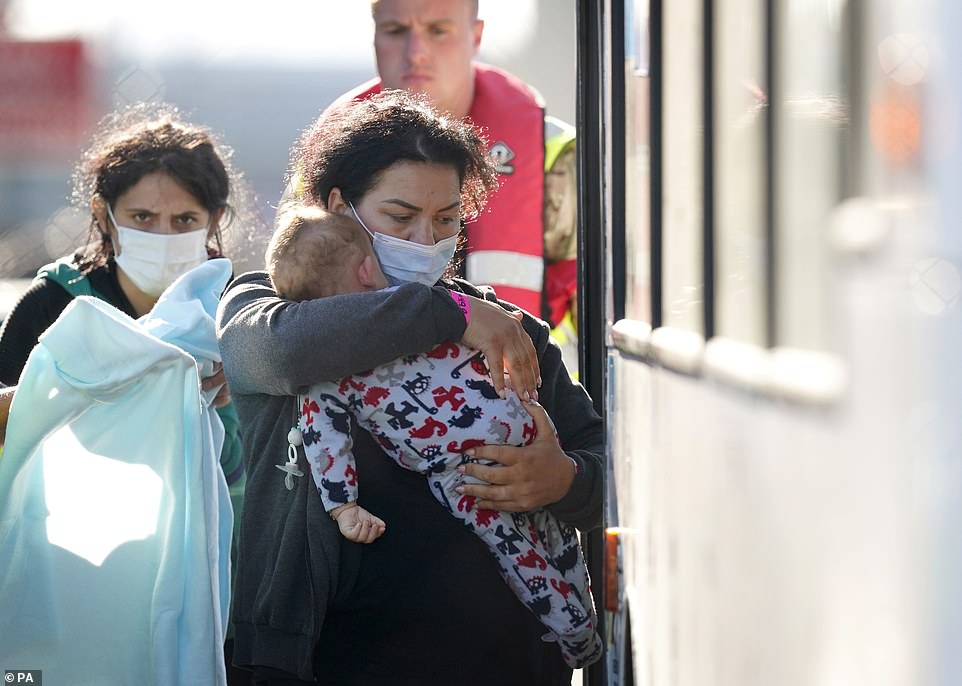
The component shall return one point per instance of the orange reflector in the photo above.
(895, 126)
(612, 592)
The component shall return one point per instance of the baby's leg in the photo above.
(563, 604)
(559, 544)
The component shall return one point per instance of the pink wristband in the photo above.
(463, 303)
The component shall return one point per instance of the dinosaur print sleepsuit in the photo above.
(425, 411)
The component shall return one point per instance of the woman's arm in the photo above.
(33, 314)
(581, 435)
(279, 347)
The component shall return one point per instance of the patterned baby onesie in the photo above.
(425, 411)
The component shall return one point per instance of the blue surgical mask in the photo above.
(406, 261)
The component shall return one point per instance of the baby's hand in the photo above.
(357, 524)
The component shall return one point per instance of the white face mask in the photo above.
(153, 261)
(406, 261)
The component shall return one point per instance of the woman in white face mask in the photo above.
(159, 190)
(308, 604)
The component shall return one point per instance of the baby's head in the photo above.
(315, 253)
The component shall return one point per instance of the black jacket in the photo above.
(425, 603)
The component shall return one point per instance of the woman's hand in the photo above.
(526, 477)
(507, 348)
(217, 379)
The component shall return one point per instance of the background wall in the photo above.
(256, 76)
(547, 59)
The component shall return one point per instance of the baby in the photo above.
(425, 411)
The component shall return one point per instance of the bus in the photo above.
(770, 325)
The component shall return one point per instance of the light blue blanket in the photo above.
(115, 521)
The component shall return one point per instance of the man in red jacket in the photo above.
(429, 46)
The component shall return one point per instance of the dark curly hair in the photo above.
(350, 147)
(142, 139)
